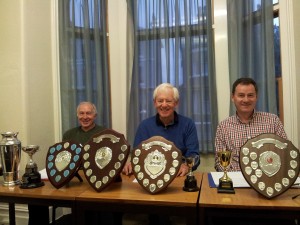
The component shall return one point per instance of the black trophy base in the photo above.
(226, 187)
(190, 184)
(31, 180)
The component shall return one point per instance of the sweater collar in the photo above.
(160, 123)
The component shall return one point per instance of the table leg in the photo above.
(12, 218)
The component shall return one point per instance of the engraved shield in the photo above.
(104, 157)
(62, 162)
(155, 163)
(270, 164)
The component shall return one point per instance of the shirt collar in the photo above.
(159, 123)
(252, 116)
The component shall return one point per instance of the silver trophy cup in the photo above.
(31, 177)
(10, 157)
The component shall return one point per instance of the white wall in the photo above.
(26, 79)
(117, 38)
(221, 58)
(290, 56)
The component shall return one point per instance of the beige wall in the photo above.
(289, 31)
(296, 10)
(26, 78)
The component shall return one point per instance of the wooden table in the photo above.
(129, 197)
(246, 203)
(125, 196)
(45, 195)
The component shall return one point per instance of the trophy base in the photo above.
(31, 180)
(226, 187)
(32, 185)
(190, 184)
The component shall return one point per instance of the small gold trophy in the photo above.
(225, 182)
(190, 182)
(31, 177)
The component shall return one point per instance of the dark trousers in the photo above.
(38, 215)
(103, 218)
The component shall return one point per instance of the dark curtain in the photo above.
(171, 41)
(83, 59)
(251, 48)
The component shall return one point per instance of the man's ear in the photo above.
(232, 98)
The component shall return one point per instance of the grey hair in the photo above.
(94, 109)
(165, 86)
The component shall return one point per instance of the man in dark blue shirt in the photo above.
(169, 124)
(172, 126)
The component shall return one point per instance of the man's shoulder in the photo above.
(228, 119)
(71, 130)
(70, 133)
(184, 118)
(99, 128)
(261, 113)
(148, 120)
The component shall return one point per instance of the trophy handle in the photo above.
(78, 176)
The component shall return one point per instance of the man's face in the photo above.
(165, 103)
(244, 98)
(86, 116)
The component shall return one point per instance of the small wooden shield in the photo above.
(270, 164)
(62, 162)
(155, 163)
(104, 157)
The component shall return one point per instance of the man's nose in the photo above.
(164, 103)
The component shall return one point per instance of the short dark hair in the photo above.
(244, 81)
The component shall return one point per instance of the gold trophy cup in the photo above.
(225, 182)
(190, 182)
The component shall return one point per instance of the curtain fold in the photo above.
(251, 48)
(83, 59)
(172, 42)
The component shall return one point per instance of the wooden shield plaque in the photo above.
(270, 164)
(104, 157)
(62, 162)
(155, 163)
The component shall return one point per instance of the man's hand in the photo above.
(127, 169)
(184, 169)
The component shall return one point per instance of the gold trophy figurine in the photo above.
(225, 182)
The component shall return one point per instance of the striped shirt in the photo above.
(232, 134)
